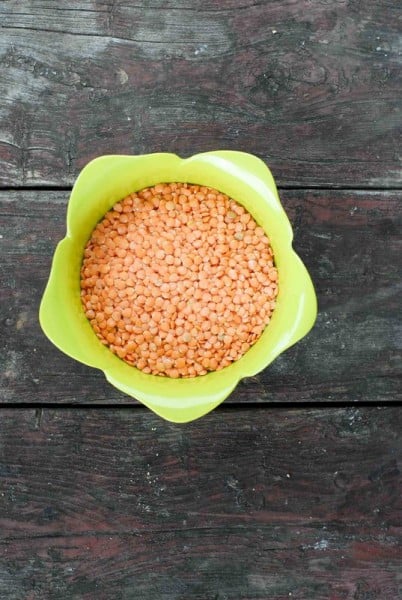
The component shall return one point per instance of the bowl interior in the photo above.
(108, 179)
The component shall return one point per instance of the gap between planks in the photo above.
(261, 406)
(292, 187)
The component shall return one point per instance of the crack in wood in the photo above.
(97, 35)
(38, 417)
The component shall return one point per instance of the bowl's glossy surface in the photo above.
(108, 179)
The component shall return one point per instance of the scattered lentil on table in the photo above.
(178, 280)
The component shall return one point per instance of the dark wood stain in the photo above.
(313, 88)
(302, 503)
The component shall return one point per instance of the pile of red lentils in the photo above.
(178, 280)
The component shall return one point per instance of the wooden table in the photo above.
(290, 489)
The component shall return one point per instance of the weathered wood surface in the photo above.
(245, 504)
(282, 504)
(312, 87)
(350, 242)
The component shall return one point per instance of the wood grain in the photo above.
(240, 505)
(351, 244)
(312, 87)
(254, 501)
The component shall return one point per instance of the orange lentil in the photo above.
(178, 280)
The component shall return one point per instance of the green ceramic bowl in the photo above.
(108, 179)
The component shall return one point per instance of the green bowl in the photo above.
(108, 179)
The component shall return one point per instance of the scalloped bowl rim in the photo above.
(108, 178)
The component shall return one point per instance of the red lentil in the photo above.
(178, 280)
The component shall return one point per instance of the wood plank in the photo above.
(278, 504)
(313, 88)
(351, 244)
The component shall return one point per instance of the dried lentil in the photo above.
(178, 280)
